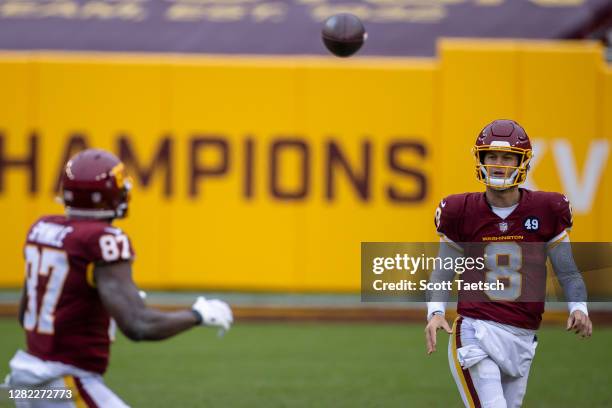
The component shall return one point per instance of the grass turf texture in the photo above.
(339, 365)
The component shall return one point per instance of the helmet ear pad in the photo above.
(527, 160)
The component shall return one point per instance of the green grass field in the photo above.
(330, 365)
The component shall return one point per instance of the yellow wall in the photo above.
(222, 237)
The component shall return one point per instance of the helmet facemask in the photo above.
(513, 176)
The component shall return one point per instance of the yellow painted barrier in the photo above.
(261, 173)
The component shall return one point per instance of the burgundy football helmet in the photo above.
(506, 136)
(94, 184)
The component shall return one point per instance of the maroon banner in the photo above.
(396, 27)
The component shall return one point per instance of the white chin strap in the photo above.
(498, 182)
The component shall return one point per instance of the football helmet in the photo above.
(95, 185)
(505, 136)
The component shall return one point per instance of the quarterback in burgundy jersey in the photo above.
(538, 218)
(78, 286)
(515, 231)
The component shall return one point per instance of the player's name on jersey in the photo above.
(424, 285)
(48, 233)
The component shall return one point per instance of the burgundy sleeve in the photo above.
(108, 245)
(562, 210)
(447, 219)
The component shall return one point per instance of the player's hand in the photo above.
(436, 323)
(579, 323)
(214, 313)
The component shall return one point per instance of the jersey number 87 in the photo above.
(45, 262)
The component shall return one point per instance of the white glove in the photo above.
(214, 312)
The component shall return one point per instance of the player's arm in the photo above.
(119, 295)
(570, 278)
(436, 299)
(573, 286)
(447, 216)
(22, 303)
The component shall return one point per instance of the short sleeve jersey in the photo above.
(64, 318)
(514, 250)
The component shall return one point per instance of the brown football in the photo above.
(343, 34)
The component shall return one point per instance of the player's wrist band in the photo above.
(198, 316)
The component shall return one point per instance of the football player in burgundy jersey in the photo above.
(78, 283)
(514, 230)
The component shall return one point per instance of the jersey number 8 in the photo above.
(507, 271)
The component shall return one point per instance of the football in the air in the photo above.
(343, 34)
